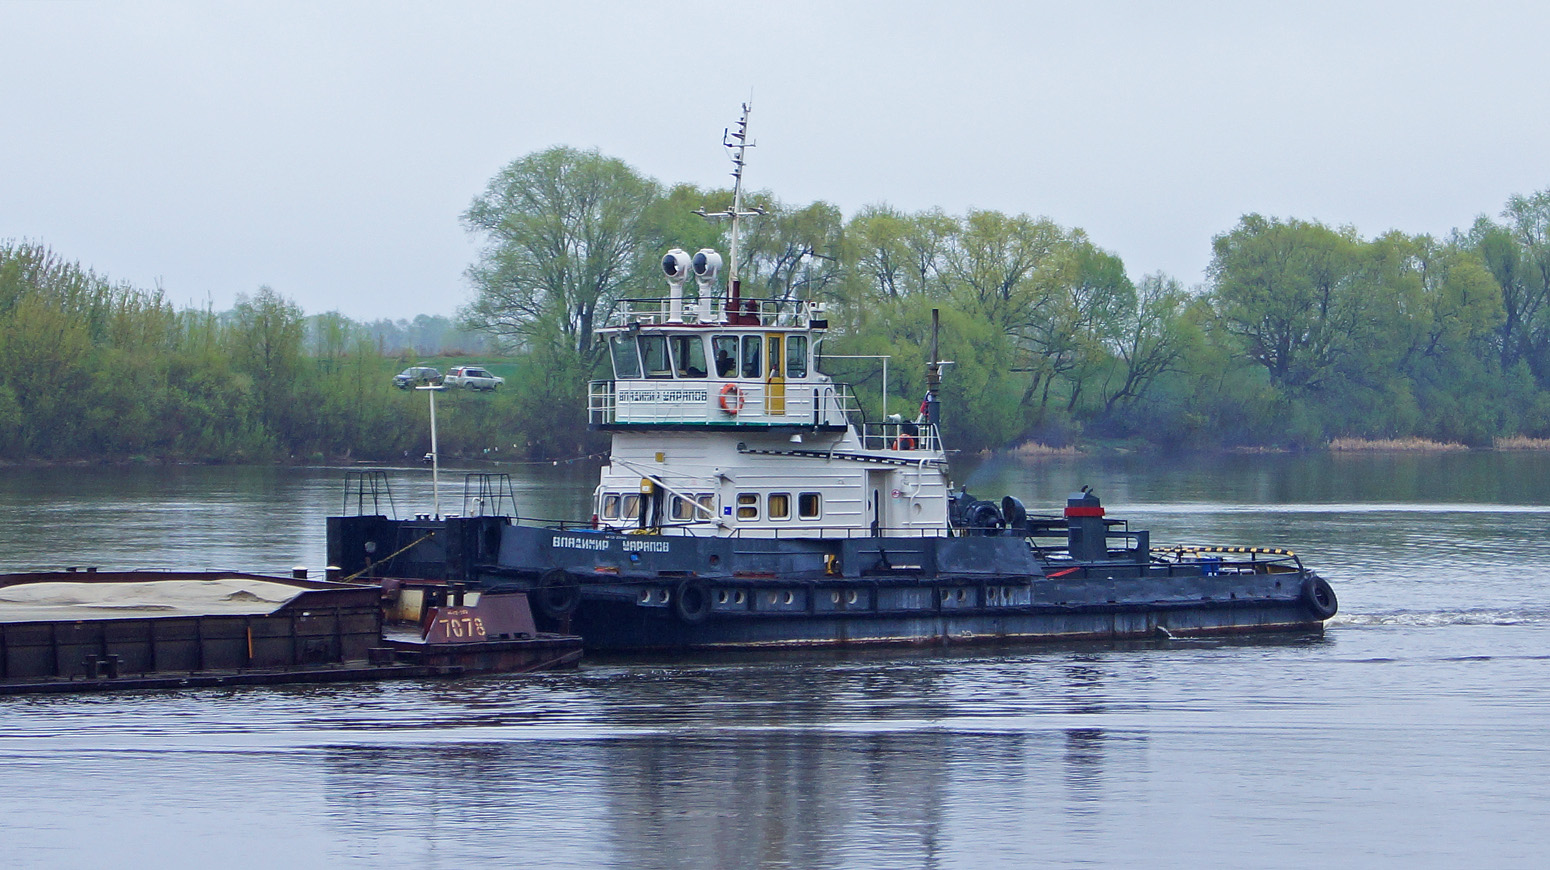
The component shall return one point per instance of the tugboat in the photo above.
(746, 502)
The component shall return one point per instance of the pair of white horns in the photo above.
(705, 263)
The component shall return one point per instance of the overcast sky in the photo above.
(327, 149)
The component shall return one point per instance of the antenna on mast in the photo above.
(737, 143)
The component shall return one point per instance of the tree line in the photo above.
(1301, 332)
(97, 370)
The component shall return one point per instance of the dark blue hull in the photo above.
(624, 592)
(772, 613)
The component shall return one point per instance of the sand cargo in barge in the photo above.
(72, 631)
(747, 502)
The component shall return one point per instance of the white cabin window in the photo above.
(752, 346)
(689, 355)
(725, 349)
(708, 502)
(631, 507)
(611, 506)
(748, 505)
(780, 505)
(809, 505)
(653, 352)
(626, 362)
(796, 356)
(683, 509)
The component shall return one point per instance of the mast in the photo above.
(737, 143)
(933, 377)
(738, 162)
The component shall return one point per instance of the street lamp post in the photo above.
(433, 389)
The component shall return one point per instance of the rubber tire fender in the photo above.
(1320, 597)
(691, 600)
(558, 594)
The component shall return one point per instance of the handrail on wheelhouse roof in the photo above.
(715, 311)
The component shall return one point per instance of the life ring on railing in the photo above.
(904, 442)
(731, 399)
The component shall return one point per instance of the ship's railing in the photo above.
(667, 401)
(718, 310)
(1230, 560)
(711, 528)
(889, 435)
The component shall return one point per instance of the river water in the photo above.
(1415, 732)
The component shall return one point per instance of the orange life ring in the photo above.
(904, 442)
(731, 399)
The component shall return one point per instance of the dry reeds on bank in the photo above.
(1033, 449)
(1521, 442)
(1410, 445)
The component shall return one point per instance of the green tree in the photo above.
(1290, 293)
(266, 344)
(1078, 318)
(1149, 342)
(563, 232)
(993, 264)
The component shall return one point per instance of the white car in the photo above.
(473, 378)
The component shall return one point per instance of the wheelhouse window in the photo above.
(725, 349)
(707, 501)
(780, 505)
(752, 345)
(796, 356)
(809, 505)
(626, 362)
(653, 354)
(611, 506)
(689, 354)
(631, 509)
(748, 505)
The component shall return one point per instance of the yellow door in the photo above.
(775, 381)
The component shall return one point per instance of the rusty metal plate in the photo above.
(495, 617)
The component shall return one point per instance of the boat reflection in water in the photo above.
(805, 760)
